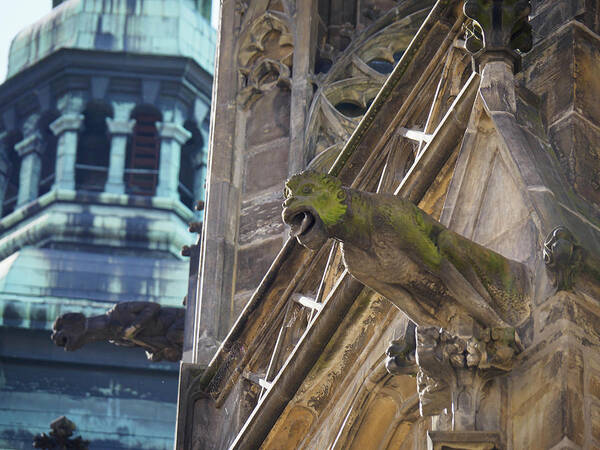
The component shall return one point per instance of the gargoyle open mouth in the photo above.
(60, 339)
(306, 226)
(301, 223)
(64, 340)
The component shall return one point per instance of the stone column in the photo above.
(200, 167)
(66, 128)
(4, 168)
(172, 137)
(119, 131)
(30, 151)
(307, 18)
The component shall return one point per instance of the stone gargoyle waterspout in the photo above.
(155, 328)
(428, 271)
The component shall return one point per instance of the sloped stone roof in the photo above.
(159, 27)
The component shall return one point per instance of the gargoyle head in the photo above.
(314, 202)
(68, 331)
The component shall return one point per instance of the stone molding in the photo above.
(120, 127)
(171, 130)
(31, 144)
(49, 219)
(67, 122)
(468, 440)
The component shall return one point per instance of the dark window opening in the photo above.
(48, 156)
(93, 149)
(186, 180)
(350, 109)
(12, 181)
(48, 168)
(143, 155)
(189, 167)
(398, 55)
(381, 65)
(323, 65)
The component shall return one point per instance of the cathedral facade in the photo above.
(434, 279)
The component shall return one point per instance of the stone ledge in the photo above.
(463, 440)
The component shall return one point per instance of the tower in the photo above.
(103, 132)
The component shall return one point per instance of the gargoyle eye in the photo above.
(306, 189)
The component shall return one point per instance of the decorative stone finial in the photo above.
(501, 28)
(60, 437)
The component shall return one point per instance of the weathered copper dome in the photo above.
(169, 27)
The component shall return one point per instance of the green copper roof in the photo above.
(161, 27)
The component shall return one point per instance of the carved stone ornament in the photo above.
(562, 256)
(465, 299)
(155, 328)
(500, 28)
(568, 261)
(452, 369)
(400, 355)
(60, 437)
(429, 272)
(265, 57)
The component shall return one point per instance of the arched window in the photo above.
(93, 148)
(190, 166)
(49, 153)
(13, 165)
(143, 152)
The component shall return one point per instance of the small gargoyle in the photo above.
(390, 245)
(569, 261)
(155, 328)
(60, 438)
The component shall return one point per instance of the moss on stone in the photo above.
(493, 270)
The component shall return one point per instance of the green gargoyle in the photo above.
(428, 271)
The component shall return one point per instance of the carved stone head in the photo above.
(68, 331)
(313, 202)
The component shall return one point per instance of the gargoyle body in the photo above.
(155, 328)
(429, 272)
